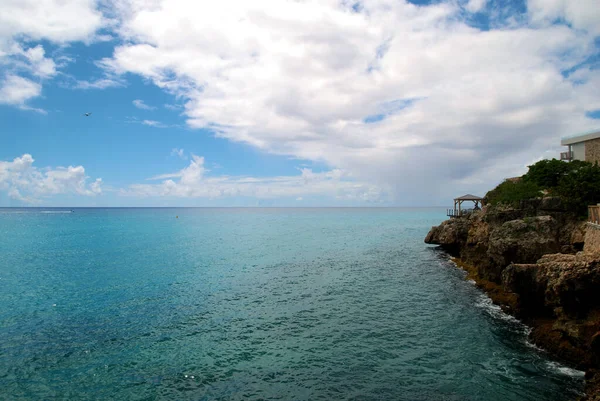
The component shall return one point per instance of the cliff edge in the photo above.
(541, 265)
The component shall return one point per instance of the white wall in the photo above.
(578, 150)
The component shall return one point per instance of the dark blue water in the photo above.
(232, 304)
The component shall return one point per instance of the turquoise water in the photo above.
(232, 304)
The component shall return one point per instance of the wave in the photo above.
(557, 367)
(484, 302)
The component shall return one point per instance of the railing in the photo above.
(566, 156)
(457, 213)
(594, 214)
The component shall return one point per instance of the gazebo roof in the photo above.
(469, 197)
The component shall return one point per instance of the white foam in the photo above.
(565, 370)
(484, 302)
(532, 345)
(55, 211)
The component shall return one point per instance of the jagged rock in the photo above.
(522, 241)
(513, 254)
(525, 281)
(451, 232)
(492, 243)
(576, 234)
(592, 239)
(565, 289)
(572, 282)
(551, 203)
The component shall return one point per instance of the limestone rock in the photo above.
(514, 255)
(522, 241)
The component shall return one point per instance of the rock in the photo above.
(551, 203)
(563, 289)
(513, 255)
(595, 347)
(592, 239)
(525, 281)
(522, 241)
(451, 232)
(578, 236)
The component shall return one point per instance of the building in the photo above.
(585, 147)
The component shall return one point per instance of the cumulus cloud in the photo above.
(56, 21)
(194, 181)
(394, 93)
(582, 14)
(406, 97)
(16, 91)
(32, 60)
(25, 182)
(59, 21)
(141, 105)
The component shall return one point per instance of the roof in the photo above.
(586, 136)
(468, 197)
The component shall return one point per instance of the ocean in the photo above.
(252, 304)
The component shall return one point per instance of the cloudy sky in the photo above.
(287, 102)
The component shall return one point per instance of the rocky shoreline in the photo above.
(541, 265)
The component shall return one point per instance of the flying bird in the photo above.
(87, 114)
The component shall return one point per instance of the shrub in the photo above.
(577, 183)
(580, 188)
(547, 173)
(511, 192)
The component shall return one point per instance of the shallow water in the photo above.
(252, 304)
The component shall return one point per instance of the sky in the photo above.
(287, 102)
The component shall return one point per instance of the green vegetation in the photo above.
(580, 188)
(548, 173)
(512, 192)
(577, 183)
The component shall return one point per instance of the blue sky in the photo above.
(374, 103)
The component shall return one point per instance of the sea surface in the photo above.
(252, 304)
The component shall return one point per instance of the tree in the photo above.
(580, 188)
(547, 173)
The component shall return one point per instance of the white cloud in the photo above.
(15, 90)
(475, 6)
(25, 182)
(31, 60)
(194, 181)
(101, 83)
(153, 123)
(178, 152)
(57, 21)
(582, 14)
(300, 78)
(141, 105)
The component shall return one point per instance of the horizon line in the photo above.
(220, 207)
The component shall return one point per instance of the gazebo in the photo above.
(458, 211)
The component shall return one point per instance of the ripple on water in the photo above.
(258, 304)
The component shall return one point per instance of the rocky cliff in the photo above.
(533, 263)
